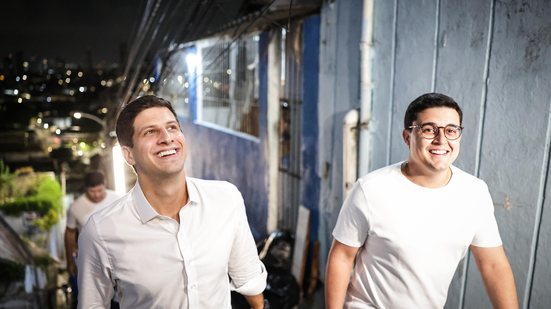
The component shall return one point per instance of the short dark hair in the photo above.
(426, 101)
(93, 179)
(127, 115)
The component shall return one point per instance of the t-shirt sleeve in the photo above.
(487, 234)
(71, 220)
(352, 224)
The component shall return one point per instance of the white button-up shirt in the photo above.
(150, 261)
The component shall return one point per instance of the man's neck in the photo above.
(428, 179)
(166, 196)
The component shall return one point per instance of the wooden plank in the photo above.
(301, 244)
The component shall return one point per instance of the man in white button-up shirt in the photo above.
(172, 241)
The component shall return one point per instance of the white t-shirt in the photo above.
(151, 261)
(412, 238)
(82, 208)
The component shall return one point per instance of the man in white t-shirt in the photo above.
(404, 228)
(95, 197)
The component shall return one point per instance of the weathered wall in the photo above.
(494, 58)
(339, 80)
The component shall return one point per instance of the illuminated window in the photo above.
(228, 84)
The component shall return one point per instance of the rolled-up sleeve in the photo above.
(248, 274)
(94, 274)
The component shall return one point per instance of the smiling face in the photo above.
(432, 156)
(159, 147)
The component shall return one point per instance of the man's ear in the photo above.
(406, 135)
(127, 153)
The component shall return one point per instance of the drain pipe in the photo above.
(366, 89)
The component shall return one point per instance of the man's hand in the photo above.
(71, 267)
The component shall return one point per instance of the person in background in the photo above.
(406, 227)
(94, 198)
(173, 241)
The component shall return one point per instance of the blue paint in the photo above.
(310, 184)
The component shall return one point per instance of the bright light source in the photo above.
(68, 72)
(49, 99)
(39, 120)
(17, 78)
(57, 131)
(192, 60)
(20, 100)
(152, 79)
(25, 77)
(81, 89)
(118, 170)
(67, 80)
(15, 91)
(77, 115)
(80, 153)
(80, 74)
(46, 125)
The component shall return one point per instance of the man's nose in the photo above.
(440, 136)
(166, 136)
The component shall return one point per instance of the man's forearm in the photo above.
(500, 286)
(255, 301)
(497, 276)
(70, 249)
(337, 279)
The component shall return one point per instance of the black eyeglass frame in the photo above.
(460, 128)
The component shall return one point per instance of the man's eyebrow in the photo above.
(434, 123)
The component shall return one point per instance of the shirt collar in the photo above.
(146, 212)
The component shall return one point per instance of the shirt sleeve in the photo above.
(94, 272)
(247, 273)
(352, 225)
(487, 234)
(71, 220)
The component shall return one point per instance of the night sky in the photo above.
(68, 29)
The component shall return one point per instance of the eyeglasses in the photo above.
(431, 130)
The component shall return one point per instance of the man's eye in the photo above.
(428, 129)
(149, 132)
(451, 130)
